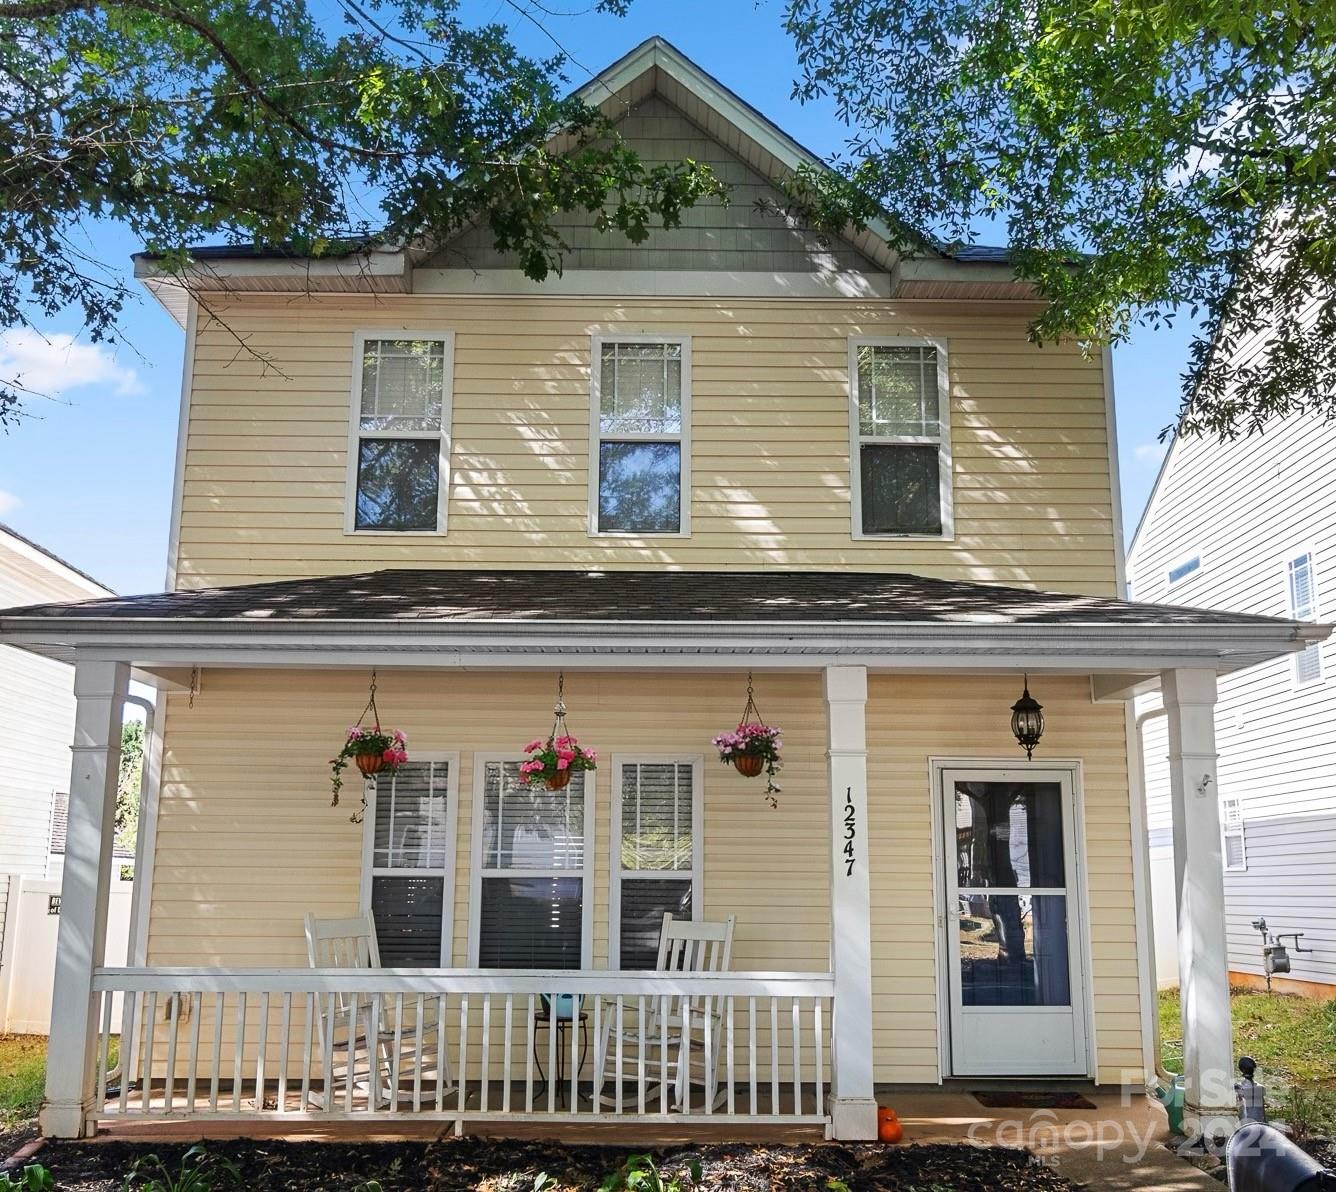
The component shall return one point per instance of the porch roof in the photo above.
(550, 611)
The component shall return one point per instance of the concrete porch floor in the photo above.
(1118, 1145)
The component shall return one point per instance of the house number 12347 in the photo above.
(850, 831)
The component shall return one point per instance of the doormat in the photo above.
(1033, 1099)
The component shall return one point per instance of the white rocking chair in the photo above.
(673, 1038)
(351, 943)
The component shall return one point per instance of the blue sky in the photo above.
(89, 474)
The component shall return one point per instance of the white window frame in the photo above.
(942, 442)
(1232, 824)
(1292, 556)
(476, 871)
(356, 434)
(616, 874)
(1170, 583)
(369, 870)
(683, 438)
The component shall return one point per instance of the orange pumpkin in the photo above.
(889, 1128)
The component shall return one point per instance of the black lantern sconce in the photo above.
(1027, 721)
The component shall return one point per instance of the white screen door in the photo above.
(1014, 946)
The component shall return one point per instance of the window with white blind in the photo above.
(1303, 607)
(1234, 846)
(656, 853)
(900, 440)
(408, 865)
(399, 441)
(640, 416)
(531, 906)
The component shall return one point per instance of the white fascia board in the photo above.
(662, 283)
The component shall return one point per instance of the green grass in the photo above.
(22, 1073)
(1293, 1039)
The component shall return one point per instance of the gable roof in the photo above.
(50, 560)
(372, 265)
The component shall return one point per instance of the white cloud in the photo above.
(54, 364)
(8, 502)
(1149, 453)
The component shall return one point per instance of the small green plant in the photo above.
(198, 1171)
(640, 1174)
(1308, 1112)
(33, 1178)
(543, 1182)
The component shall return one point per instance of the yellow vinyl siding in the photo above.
(914, 719)
(267, 444)
(247, 842)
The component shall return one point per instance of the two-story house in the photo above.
(1249, 525)
(735, 457)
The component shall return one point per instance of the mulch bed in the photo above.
(484, 1165)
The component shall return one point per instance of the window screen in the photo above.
(411, 865)
(900, 435)
(400, 434)
(641, 411)
(532, 882)
(657, 848)
(1303, 607)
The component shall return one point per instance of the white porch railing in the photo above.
(463, 1045)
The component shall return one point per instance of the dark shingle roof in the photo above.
(457, 595)
(60, 824)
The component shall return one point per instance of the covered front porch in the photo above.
(849, 900)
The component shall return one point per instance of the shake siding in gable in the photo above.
(770, 468)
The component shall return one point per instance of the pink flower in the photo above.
(530, 767)
(354, 733)
(399, 738)
(563, 763)
(532, 745)
(591, 755)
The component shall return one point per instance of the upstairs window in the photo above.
(901, 439)
(410, 845)
(639, 443)
(531, 904)
(399, 446)
(1303, 607)
(1234, 845)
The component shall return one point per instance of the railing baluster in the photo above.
(419, 1010)
(131, 1005)
(219, 1008)
(751, 1053)
(262, 1052)
(169, 1076)
(463, 1076)
(707, 1056)
(573, 1105)
(354, 1015)
(285, 1045)
(820, 1073)
(146, 1067)
(642, 1046)
(797, 1059)
(104, 1052)
(664, 1003)
(774, 1055)
(552, 1053)
(728, 1055)
(505, 1058)
(237, 1052)
(530, 1049)
(618, 1072)
(600, 1062)
(307, 1032)
(192, 1073)
(396, 1060)
(442, 1055)
(485, 1057)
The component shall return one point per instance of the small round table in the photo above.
(543, 1018)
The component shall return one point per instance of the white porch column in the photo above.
(1203, 965)
(99, 689)
(852, 1107)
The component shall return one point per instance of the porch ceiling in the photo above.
(505, 617)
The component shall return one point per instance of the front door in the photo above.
(1013, 936)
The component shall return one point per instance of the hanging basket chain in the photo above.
(371, 705)
(559, 724)
(751, 714)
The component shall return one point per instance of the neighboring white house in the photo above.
(37, 710)
(1250, 526)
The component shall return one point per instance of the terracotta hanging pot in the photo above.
(749, 765)
(370, 763)
(559, 781)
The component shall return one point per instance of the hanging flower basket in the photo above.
(371, 749)
(551, 762)
(753, 747)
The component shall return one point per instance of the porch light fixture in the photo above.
(1027, 721)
